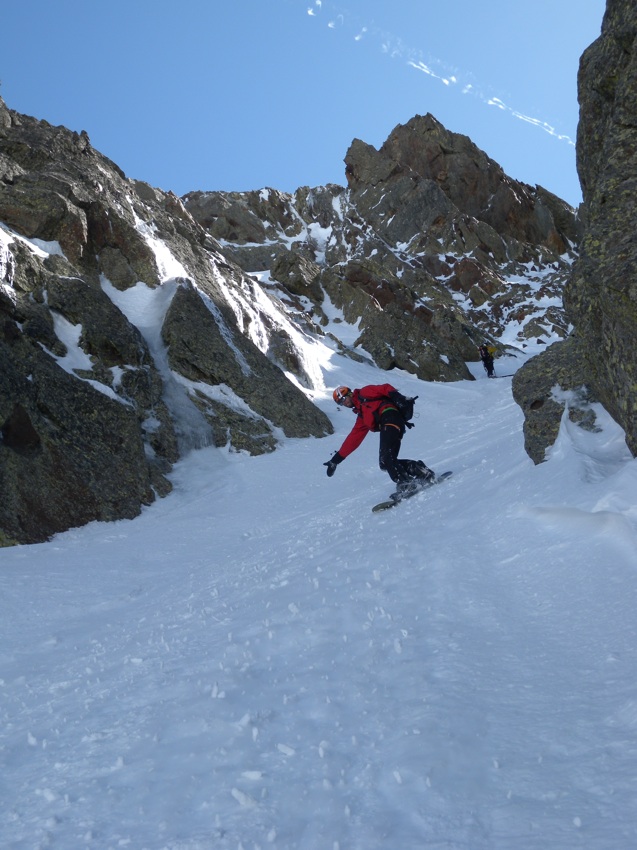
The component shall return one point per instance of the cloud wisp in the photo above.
(470, 89)
(396, 49)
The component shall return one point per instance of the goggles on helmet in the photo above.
(341, 395)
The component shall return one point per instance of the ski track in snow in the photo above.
(258, 661)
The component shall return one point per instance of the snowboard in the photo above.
(391, 503)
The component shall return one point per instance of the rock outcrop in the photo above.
(126, 338)
(428, 250)
(600, 362)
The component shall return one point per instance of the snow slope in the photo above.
(258, 661)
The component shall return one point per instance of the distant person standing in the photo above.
(486, 355)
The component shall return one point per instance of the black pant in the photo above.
(392, 429)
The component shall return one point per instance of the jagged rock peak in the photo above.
(473, 182)
(428, 248)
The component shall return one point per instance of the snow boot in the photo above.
(424, 474)
(405, 489)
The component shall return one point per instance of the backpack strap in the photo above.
(376, 413)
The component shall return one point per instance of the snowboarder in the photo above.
(486, 352)
(377, 408)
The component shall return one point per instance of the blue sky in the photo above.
(242, 94)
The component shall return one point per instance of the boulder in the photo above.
(542, 387)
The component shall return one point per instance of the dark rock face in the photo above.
(56, 436)
(93, 409)
(204, 348)
(601, 296)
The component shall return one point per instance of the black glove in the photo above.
(332, 464)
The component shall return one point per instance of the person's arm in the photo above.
(350, 444)
(354, 438)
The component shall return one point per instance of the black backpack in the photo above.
(404, 405)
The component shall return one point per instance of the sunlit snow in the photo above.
(258, 661)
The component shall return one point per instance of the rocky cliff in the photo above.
(429, 249)
(135, 325)
(599, 361)
(126, 338)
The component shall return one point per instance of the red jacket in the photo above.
(367, 414)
